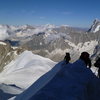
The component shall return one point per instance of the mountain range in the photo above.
(53, 41)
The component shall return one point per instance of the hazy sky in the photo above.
(78, 13)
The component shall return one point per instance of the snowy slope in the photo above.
(25, 70)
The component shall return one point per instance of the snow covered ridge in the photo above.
(25, 70)
(96, 26)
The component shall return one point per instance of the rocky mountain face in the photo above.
(58, 41)
(7, 53)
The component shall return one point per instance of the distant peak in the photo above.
(65, 25)
(95, 27)
(49, 26)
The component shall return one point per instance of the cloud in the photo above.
(3, 34)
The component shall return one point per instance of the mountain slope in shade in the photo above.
(67, 84)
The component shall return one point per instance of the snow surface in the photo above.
(97, 29)
(11, 89)
(25, 70)
(8, 91)
(96, 26)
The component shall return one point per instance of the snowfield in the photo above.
(25, 70)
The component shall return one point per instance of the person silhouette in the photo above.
(73, 82)
(85, 57)
(97, 64)
(52, 88)
(67, 57)
(85, 78)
